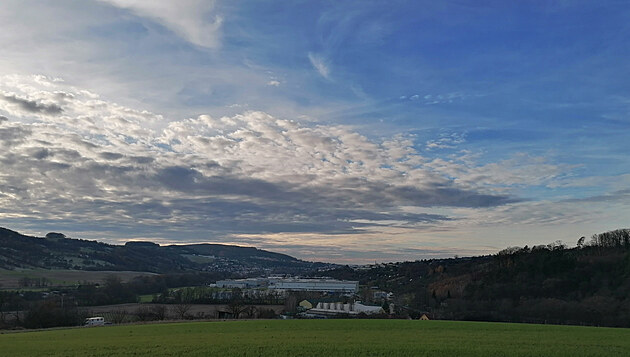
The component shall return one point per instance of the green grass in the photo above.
(145, 298)
(321, 338)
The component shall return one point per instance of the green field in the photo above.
(321, 338)
(145, 298)
(9, 278)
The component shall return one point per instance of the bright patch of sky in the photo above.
(338, 131)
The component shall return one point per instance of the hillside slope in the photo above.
(59, 252)
(589, 284)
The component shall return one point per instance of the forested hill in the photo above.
(589, 284)
(56, 251)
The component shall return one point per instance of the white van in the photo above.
(94, 321)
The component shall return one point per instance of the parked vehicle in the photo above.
(94, 321)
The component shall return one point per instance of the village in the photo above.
(251, 298)
(323, 297)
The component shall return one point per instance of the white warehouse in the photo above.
(323, 285)
(336, 308)
(242, 283)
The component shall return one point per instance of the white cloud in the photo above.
(319, 64)
(519, 170)
(191, 19)
(446, 98)
(273, 83)
(446, 141)
(73, 154)
(252, 173)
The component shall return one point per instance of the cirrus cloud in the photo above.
(191, 19)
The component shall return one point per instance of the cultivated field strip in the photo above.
(322, 338)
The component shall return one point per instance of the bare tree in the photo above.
(181, 310)
(251, 312)
(24, 282)
(580, 242)
(159, 312)
(236, 308)
(4, 297)
(144, 313)
(117, 316)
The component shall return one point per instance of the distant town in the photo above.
(547, 283)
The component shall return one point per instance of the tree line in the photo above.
(551, 283)
(173, 295)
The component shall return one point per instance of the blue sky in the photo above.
(339, 131)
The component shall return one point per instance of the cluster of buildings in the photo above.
(326, 305)
(293, 284)
(323, 309)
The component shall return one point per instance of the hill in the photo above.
(56, 251)
(588, 284)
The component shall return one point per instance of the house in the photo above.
(224, 314)
(424, 317)
(305, 304)
(380, 295)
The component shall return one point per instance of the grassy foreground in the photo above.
(321, 338)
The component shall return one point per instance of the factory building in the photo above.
(292, 284)
(321, 285)
(338, 308)
(251, 283)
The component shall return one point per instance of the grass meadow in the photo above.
(321, 338)
(9, 279)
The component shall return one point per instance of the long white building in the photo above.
(339, 308)
(293, 284)
(322, 285)
(242, 283)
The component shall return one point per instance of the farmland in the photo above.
(321, 338)
(9, 279)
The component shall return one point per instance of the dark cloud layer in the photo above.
(33, 106)
(450, 196)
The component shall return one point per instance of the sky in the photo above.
(338, 131)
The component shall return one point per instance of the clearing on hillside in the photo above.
(9, 279)
(322, 338)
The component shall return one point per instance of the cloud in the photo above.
(273, 83)
(519, 170)
(432, 99)
(102, 162)
(11, 135)
(621, 196)
(111, 155)
(190, 19)
(255, 174)
(69, 155)
(446, 141)
(319, 64)
(32, 106)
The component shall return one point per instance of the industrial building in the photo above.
(321, 285)
(338, 308)
(292, 284)
(250, 283)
